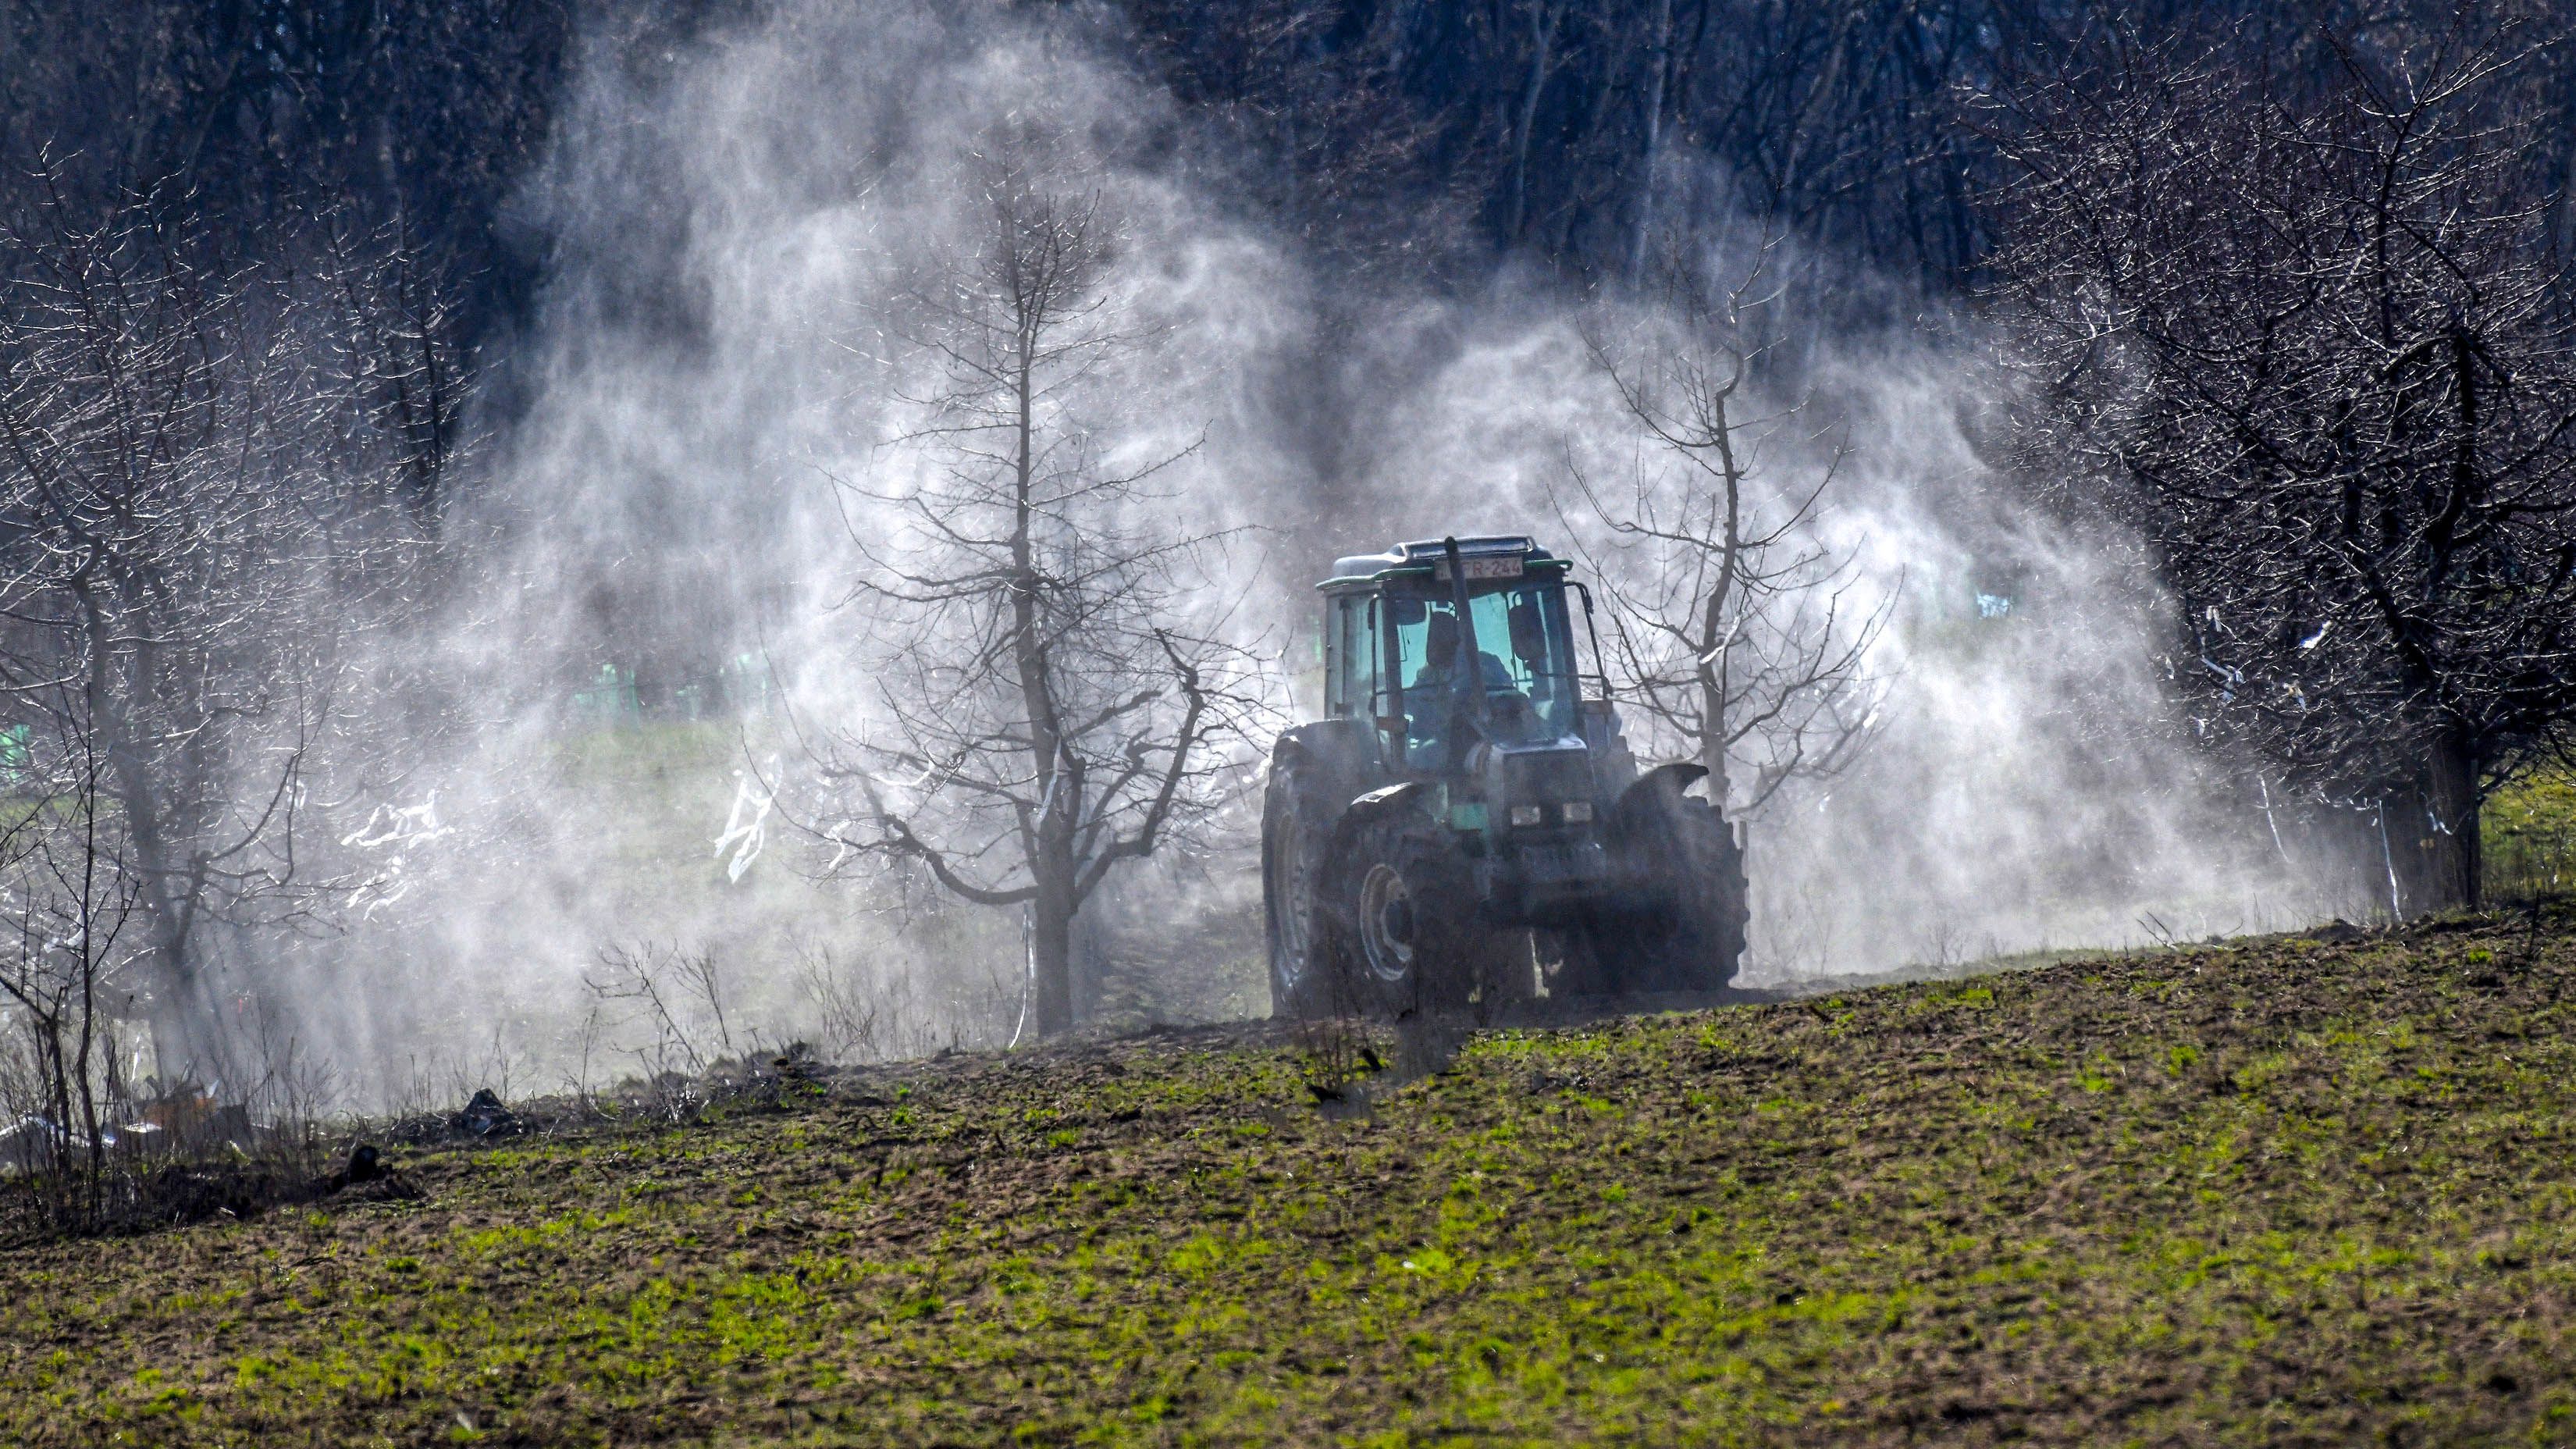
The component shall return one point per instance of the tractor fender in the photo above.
(1334, 750)
(1675, 777)
(1343, 855)
(1383, 801)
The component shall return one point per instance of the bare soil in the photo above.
(2295, 1191)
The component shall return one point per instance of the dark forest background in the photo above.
(1435, 139)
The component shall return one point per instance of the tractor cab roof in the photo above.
(1497, 556)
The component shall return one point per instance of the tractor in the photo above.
(1465, 800)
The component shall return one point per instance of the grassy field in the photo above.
(2529, 837)
(2287, 1192)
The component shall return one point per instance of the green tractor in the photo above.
(1464, 791)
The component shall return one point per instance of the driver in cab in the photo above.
(1431, 696)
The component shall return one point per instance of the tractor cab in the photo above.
(1435, 664)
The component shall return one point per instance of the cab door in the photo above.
(1358, 688)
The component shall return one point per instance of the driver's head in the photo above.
(1440, 645)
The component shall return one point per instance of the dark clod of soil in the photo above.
(484, 1116)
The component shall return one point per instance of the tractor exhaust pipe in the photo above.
(1469, 676)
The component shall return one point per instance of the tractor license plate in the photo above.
(1546, 865)
(1506, 567)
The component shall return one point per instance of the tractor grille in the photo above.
(1547, 775)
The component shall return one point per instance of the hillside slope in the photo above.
(2287, 1192)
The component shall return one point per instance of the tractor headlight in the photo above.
(1525, 815)
(1578, 812)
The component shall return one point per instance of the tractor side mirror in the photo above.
(1529, 633)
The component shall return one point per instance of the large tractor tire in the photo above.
(1690, 935)
(1309, 963)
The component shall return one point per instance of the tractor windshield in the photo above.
(1525, 653)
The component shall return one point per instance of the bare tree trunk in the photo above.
(1663, 47)
(182, 1036)
(89, 949)
(181, 1039)
(1051, 948)
(1544, 17)
(1802, 126)
(1053, 870)
(2451, 854)
(1716, 641)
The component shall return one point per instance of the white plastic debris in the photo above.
(392, 831)
(390, 825)
(746, 827)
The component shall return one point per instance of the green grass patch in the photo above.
(2527, 837)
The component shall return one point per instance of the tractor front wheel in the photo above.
(1400, 902)
(1420, 944)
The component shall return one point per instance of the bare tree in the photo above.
(2310, 337)
(1739, 632)
(197, 505)
(1050, 677)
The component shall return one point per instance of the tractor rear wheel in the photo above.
(1306, 947)
(1691, 936)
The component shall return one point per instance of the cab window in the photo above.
(1525, 657)
(1357, 672)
